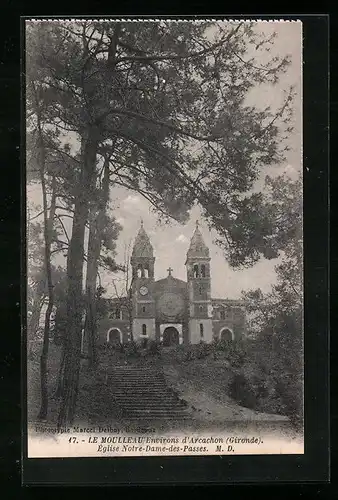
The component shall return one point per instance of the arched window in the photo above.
(200, 290)
(146, 273)
(201, 330)
(195, 271)
(139, 271)
(203, 270)
(144, 309)
(144, 329)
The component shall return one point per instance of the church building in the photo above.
(169, 310)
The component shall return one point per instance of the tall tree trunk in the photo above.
(72, 359)
(94, 247)
(58, 390)
(48, 227)
(63, 312)
(33, 323)
(94, 250)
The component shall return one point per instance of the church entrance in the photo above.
(170, 336)
(226, 335)
(114, 337)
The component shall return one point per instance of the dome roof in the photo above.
(197, 247)
(142, 245)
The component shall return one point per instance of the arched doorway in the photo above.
(226, 335)
(170, 336)
(114, 336)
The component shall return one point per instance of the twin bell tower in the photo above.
(171, 305)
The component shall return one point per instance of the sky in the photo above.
(171, 242)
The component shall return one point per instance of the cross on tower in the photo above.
(169, 270)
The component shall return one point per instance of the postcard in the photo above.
(164, 237)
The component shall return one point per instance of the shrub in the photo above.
(289, 392)
(241, 391)
(203, 350)
(276, 389)
(153, 348)
(131, 349)
(235, 352)
(197, 351)
(223, 345)
(238, 355)
(188, 355)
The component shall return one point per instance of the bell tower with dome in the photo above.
(199, 289)
(142, 263)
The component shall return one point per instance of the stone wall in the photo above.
(195, 330)
(137, 327)
(106, 324)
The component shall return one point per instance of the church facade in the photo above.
(170, 310)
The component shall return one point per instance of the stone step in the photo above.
(128, 389)
(133, 390)
(140, 376)
(137, 378)
(152, 403)
(144, 397)
(157, 411)
(132, 404)
(159, 395)
(149, 402)
(136, 383)
(139, 390)
(142, 393)
(146, 371)
(134, 373)
(140, 380)
(145, 368)
(155, 420)
(144, 390)
(154, 415)
(142, 371)
(154, 409)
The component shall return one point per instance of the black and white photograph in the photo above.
(164, 222)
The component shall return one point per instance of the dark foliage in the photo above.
(241, 391)
(153, 348)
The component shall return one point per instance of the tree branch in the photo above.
(170, 126)
(186, 56)
(36, 216)
(63, 226)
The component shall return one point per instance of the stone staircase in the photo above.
(142, 393)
